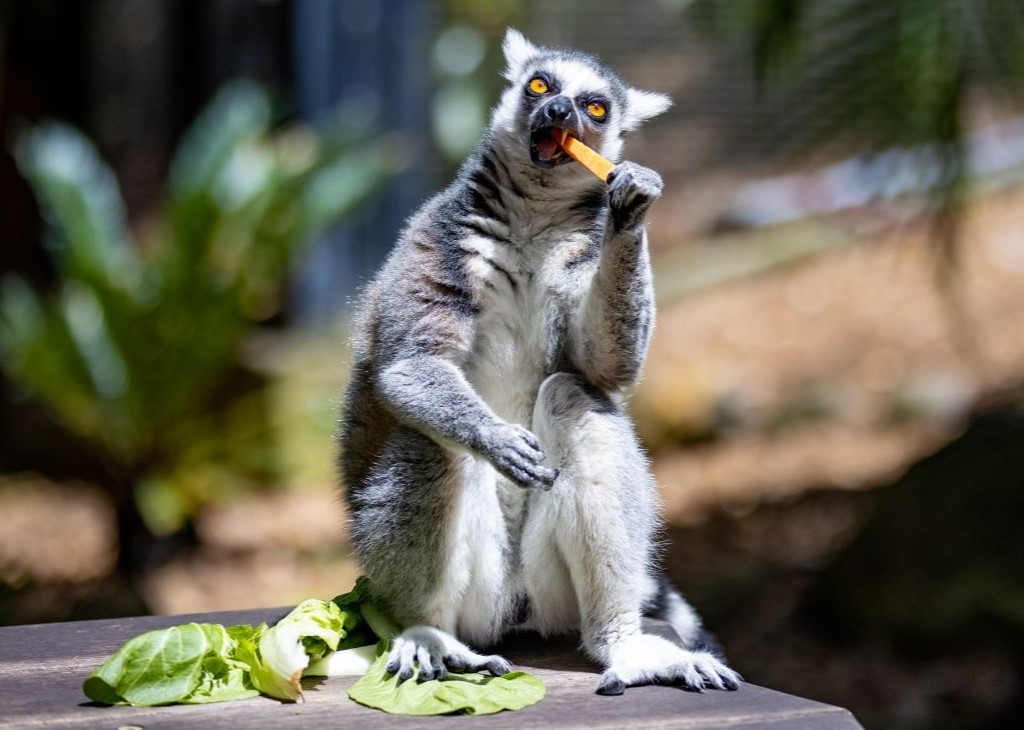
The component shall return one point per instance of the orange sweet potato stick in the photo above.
(586, 156)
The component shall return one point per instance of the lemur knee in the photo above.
(568, 406)
(565, 394)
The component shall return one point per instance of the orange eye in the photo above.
(596, 109)
(538, 86)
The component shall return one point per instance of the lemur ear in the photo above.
(643, 105)
(517, 51)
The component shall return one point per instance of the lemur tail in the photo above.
(667, 604)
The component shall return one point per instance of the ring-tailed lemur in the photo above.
(494, 481)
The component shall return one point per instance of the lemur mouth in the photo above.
(545, 149)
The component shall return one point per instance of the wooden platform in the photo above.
(42, 667)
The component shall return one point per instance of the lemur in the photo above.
(494, 480)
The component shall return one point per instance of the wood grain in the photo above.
(42, 667)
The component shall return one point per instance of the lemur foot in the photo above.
(438, 653)
(645, 659)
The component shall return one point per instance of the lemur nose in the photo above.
(558, 109)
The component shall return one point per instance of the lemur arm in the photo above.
(433, 396)
(616, 320)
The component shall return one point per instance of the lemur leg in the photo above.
(602, 513)
(428, 532)
(668, 605)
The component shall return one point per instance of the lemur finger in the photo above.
(426, 666)
(544, 476)
(708, 671)
(535, 476)
(395, 656)
(406, 655)
(529, 452)
(498, 666)
(456, 663)
(521, 476)
(717, 674)
(611, 684)
(437, 661)
(687, 676)
(524, 439)
(469, 661)
(512, 461)
(547, 477)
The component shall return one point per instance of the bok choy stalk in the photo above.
(310, 631)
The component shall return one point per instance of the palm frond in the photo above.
(240, 110)
(81, 201)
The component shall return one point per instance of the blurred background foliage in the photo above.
(138, 348)
(832, 401)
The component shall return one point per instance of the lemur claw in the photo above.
(434, 654)
(645, 659)
(610, 684)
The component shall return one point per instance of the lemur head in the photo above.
(566, 90)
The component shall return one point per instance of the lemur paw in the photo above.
(645, 659)
(437, 653)
(515, 452)
(631, 190)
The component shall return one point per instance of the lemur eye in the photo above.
(538, 86)
(597, 110)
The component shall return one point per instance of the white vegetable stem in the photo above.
(284, 659)
(344, 663)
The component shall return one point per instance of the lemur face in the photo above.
(565, 95)
(553, 90)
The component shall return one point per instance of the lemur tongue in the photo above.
(548, 147)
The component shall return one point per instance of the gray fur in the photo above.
(493, 479)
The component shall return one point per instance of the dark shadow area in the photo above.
(892, 603)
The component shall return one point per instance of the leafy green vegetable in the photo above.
(356, 597)
(311, 630)
(376, 624)
(191, 664)
(197, 663)
(470, 694)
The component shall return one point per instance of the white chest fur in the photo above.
(527, 295)
(527, 292)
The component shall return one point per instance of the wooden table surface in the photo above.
(42, 667)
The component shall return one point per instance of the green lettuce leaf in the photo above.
(373, 623)
(283, 651)
(198, 663)
(190, 664)
(470, 694)
(356, 597)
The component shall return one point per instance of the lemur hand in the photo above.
(631, 190)
(515, 452)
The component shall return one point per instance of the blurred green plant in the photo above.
(139, 347)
